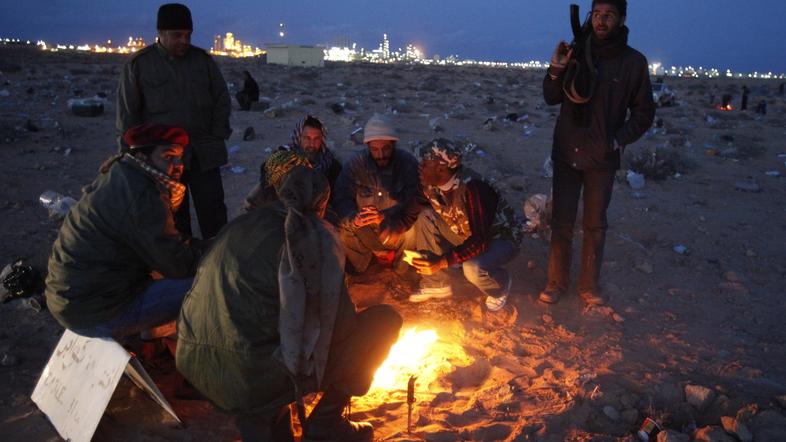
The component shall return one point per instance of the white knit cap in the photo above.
(379, 127)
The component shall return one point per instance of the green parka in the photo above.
(120, 230)
(228, 327)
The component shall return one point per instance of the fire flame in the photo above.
(728, 107)
(419, 352)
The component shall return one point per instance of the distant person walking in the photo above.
(590, 134)
(744, 103)
(172, 82)
(250, 92)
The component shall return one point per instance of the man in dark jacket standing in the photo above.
(172, 82)
(596, 89)
(122, 230)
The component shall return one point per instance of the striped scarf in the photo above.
(322, 164)
(176, 190)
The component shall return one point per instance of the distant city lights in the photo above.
(230, 46)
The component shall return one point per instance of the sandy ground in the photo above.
(687, 338)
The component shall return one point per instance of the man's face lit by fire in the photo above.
(176, 42)
(606, 20)
(311, 139)
(381, 151)
(168, 159)
(435, 173)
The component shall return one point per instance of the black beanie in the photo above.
(174, 16)
(621, 5)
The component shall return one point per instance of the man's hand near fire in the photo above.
(368, 215)
(429, 264)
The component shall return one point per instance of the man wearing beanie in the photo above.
(597, 82)
(377, 197)
(120, 232)
(172, 82)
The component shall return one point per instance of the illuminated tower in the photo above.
(229, 42)
(385, 47)
(217, 43)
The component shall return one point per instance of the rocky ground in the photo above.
(694, 269)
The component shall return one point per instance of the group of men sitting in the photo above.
(263, 313)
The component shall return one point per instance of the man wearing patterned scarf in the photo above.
(269, 319)
(308, 140)
(468, 224)
(118, 236)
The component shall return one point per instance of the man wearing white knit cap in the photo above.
(377, 198)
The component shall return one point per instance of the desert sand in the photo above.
(695, 269)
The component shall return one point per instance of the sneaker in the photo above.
(592, 297)
(426, 293)
(496, 304)
(551, 294)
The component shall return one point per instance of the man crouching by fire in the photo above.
(269, 318)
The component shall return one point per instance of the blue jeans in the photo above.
(158, 304)
(484, 271)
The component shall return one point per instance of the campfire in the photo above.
(419, 352)
(727, 107)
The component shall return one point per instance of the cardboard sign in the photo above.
(79, 380)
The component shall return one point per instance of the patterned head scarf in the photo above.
(280, 163)
(444, 151)
(324, 158)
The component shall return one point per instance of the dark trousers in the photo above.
(567, 187)
(244, 100)
(207, 190)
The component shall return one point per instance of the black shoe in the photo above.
(327, 422)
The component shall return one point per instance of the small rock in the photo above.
(731, 276)
(249, 134)
(531, 264)
(611, 413)
(737, 428)
(681, 249)
(781, 400)
(712, 434)
(749, 185)
(30, 126)
(772, 173)
(644, 267)
(699, 396)
(272, 113)
(547, 319)
(617, 317)
(337, 108)
(67, 152)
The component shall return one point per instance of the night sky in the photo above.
(747, 35)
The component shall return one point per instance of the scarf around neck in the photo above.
(175, 190)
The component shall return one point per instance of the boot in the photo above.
(327, 422)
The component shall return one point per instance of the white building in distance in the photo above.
(296, 55)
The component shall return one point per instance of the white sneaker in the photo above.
(496, 304)
(426, 293)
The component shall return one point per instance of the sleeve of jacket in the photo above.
(481, 208)
(402, 216)
(552, 88)
(642, 107)
(129, 102)
(344, 198)
(150, 231)
(223, 106)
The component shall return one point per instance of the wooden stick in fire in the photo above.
(410, 400)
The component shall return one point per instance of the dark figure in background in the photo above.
(589, 139)
(250, 92)
(745, 92)
(270, 320)
(172, 82)
(780, 88)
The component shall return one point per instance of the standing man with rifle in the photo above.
(597, 80)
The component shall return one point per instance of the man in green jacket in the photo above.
(172, 82)
(119, 233)
(269, 318)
